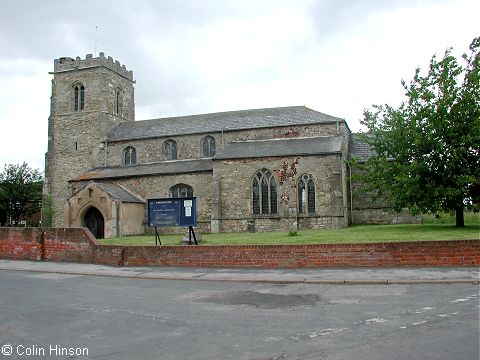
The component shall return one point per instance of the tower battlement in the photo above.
(64, 64)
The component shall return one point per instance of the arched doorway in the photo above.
(93, 220)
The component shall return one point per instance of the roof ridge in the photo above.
(296, 147)
(285, 139)
(229, 112)
(220, 122)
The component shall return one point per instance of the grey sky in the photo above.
(200, 56)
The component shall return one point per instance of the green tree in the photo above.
(426, 153)
(48, 211)
(20, 189)
(3, 216)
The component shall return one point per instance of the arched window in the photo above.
(180, 191)
(306, 195)
(78, 97)
(264, 193)
(118, 102)
(208, 146)
(129, 156)
(170, 150)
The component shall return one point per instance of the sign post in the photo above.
(157, 236)
(173, 212)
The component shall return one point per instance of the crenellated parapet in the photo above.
(65, 64)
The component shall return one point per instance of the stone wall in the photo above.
(236, 208)
(132, 219)
(365, 209)
(189, 146)
(78, 245)
(383, 216)
(120, 218)
(75, 137)
(151, 187)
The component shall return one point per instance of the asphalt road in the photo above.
(45, 314)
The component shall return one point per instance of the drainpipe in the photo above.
(106, 149)
(351, 193)
(117, 220)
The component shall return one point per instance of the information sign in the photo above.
(172, 212)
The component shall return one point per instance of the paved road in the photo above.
(336, 276)
(131, 318)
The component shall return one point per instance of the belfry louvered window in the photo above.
(78, 97)
(306, 195)
(264, 193)
(118, 102)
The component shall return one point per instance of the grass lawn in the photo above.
(429, 230)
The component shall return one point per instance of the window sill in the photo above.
(309, 215)
(266, 216)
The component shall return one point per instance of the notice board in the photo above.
(172, 212)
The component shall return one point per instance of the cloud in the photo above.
(23, 114)
(191, 56)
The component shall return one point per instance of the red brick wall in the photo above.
(110, 255)
(55, 244)
(425, 253)
(68, 244)
(78, 245)
(20, 244)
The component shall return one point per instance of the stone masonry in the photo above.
(86, 150)
(75, 139)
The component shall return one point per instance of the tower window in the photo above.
(118, 102)
(306, 195)
(129, 156)
(264, 193)
(170, 150)
(208, 146)
(78, 97)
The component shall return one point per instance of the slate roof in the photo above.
(282, 147)
(222, 121)
(358, 149)
(119, 193)
(161, 168)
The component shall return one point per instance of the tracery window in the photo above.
(306, 195)
(170, 150)
(181, 190)
(78, 97)
(264, 193)
(129, 156)
(208, 146)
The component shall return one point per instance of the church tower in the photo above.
(89, 98)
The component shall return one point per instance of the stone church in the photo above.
(250, 170)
